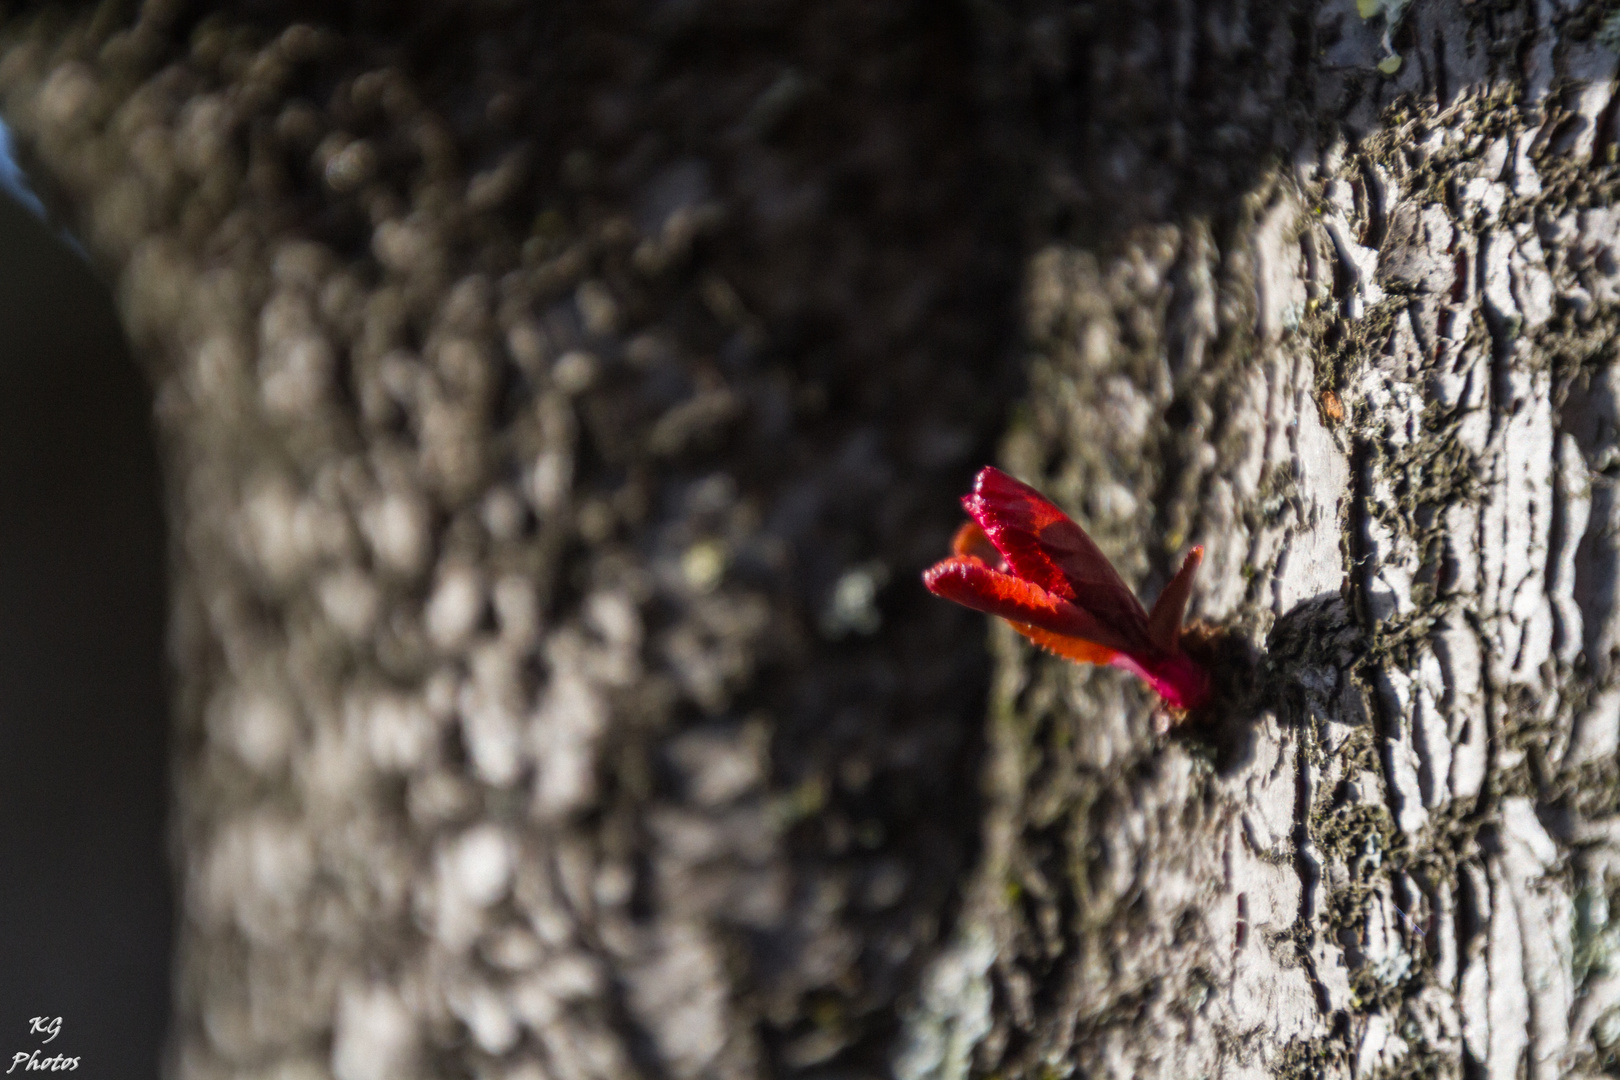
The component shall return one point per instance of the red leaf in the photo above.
(1042, 545)
(1023, 559)
(1164, 622)
(972, 584)
(971, 543)
(1070, 648)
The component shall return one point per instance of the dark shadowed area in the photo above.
(84, 904)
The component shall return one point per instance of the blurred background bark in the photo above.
(557, 403)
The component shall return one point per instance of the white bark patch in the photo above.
(471, 872)
(1574, 512)
(1515, 533)
(1457, 650)
(1505, 999)
(490, 706)
(1279, 277)
(258, 723)
(1430, 738)
(375, 1037)
(454, 609)
(679, 996)
(1597, 730)
(563, 735)
(1310, 562)
(396, 728)
(397, 527)
(1360, 264)
(488, 1014)
(952, 1014)
(256, 873)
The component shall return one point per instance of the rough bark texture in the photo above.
(1375, 385)
(557, 404)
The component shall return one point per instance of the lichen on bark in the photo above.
(1372, 384)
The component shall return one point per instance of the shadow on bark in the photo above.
(85, 917)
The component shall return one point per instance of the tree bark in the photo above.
(558, 403)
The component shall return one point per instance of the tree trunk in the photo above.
(558, 405)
